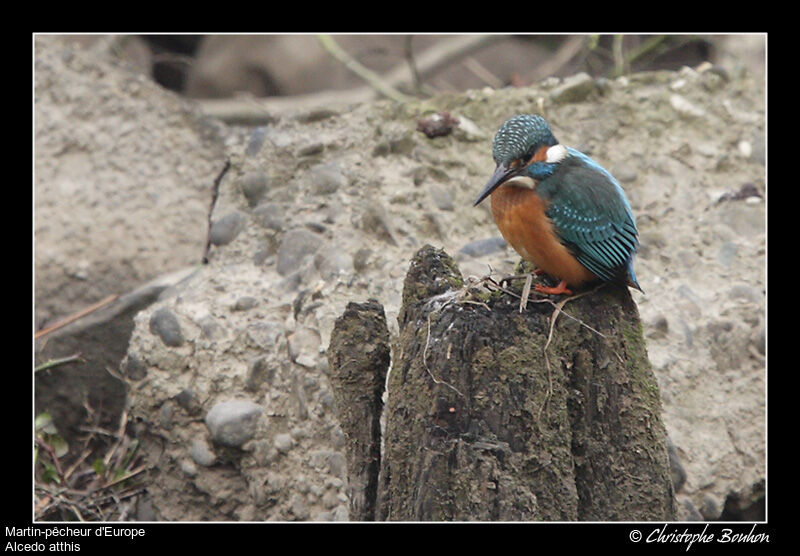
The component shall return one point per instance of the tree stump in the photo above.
(359, 359)
(497, 415)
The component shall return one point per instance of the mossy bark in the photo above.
(483, 423)
(359, 359)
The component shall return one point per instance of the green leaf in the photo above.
(99, 467)
(44, 423)
(59, 445)
(50, 475)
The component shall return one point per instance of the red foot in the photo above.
(560, 289)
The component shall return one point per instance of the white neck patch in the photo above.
(556, 153)
(526, 182)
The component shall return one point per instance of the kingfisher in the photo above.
(559, 209)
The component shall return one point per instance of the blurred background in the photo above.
(318, 70)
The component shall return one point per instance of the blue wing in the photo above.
(592, 216)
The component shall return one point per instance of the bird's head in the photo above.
(519, 143)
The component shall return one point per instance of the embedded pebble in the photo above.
(254, 185)
(374, 219)
(441, 197)
(245, 303)
(202, 454)
(209, 327)
(187, 399)
(133, 367)
(283, 442)
(746, 293)
(233, 423)
(259, 370)
(225, 230)
(727, 253)
(481, 247)
(256, 140)
(164, 323)
(333, 263)
(310, 149)
(326, 179)
(340, 513)
(685, 108)
(573, 89)
(304, 347)
(270, 215)
(189, 468)
(625, 174)
(745, 149)
(295, 246)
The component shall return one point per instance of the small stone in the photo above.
(209, 327)
(441, 197)
(574, 89)
(165, 415)
(746, 293)
(295, 246)
(340, 513)
(481, 247)
(316, 115)
(361, 258)
(326, 179)
(727, 253)
(164, 323)
(233, 423)
(202, 454)
(677, 472)
(469, 131)
(256, 141)
(189, 468)
(270, 215)
(687, 511)
(311, 149)
(225, 230)
(659, 327)
(337, 465)
(745, 149)
(625, 174)
(396, 140)
(678, 84)
(245, 303)
(330, 499)
(710, 508)
(283, 443)
(133, 367)
(254, 185)
(337, 438)
(259, 371)
(187, 399)
(374, 219)
(685, 108)
(333, 263)
(304, 346)
(298, 507)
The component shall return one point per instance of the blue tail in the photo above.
(632, 281)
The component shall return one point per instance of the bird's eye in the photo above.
(530, 153)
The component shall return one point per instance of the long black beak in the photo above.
(501, 174)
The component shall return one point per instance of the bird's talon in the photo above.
(560, 289)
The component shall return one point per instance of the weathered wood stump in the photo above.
(359, 359)
(490, 416)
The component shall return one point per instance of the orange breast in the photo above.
(520, 215)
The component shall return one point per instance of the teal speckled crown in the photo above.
(518, 135)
